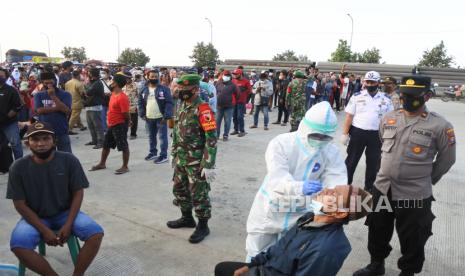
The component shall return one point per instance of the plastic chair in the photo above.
(73, 246)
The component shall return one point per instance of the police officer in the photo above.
(390, 88)
(193, 158)
(418, 149)
(363, 114)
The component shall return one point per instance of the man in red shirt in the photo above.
(244, 90)
(118, 121)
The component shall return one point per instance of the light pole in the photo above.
(352, 32)
(48, 42)
(211, 30)
(1, 54)
(117, 31)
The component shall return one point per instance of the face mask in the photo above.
(103, 76)
(43, 155)
(2, 80)
(412, 104)
(270, 75)
(186, 94)
(372, 89)
(253, 74)
(153, 81)
(226, 78)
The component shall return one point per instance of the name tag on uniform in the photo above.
(312, 96)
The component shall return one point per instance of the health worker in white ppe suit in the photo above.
(299, 164)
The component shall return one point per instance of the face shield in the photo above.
(318, 126)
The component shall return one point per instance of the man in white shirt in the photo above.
(363, 114)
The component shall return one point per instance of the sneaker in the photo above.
(266, 128)
(83, 128)
(242, 134)
(276, 123)
(97, 147)
(150, 156)
(253, 126)
(90, 144)
(225, 138)
(132, 137)
(160, 160)
(234, 132)
(284, 124)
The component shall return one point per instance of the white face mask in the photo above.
(226, 78)
(253, 74)
(103, 75)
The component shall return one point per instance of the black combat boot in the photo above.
(405, 273)
(185, 221)
(375, 268)
(201, 231)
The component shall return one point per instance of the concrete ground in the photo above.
(133, 208)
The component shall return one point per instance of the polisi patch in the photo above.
(422, 132)
(450, 136)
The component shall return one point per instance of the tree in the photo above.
(437, 57)
(133, 56)
(75, 53)
(369, 56)
(287, 55)
(303, 58)
(204, 55)
(342, 53)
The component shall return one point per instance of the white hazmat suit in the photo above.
(291, 160)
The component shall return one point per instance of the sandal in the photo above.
(121, 171)
(96, 168)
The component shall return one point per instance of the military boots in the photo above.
(375, 268)
(201, 231)
(187, 220)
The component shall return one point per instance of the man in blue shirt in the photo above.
(53, 106)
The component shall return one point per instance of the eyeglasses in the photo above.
(320, 137)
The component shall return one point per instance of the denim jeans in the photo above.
(28, 237)
(226, 113)
(11, 132)
(104, 118)
(238, 117)
(153, 128)
(264, 109)
(63, 143)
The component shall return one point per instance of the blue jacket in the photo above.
(163, 98)
(305, 251)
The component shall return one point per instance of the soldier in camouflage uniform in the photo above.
(296, 100)
(193, 158)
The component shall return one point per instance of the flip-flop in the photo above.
(121, 171)
(96, 168)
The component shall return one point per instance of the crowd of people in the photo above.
(408, 149)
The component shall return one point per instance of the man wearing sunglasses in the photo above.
(299, 164)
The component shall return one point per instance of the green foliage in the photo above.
(133, 56)
(290, 55)
(204, 55)
(436, 57)
(75, 53)
(343, 53)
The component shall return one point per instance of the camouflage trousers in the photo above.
(191, 190)
(296, 116)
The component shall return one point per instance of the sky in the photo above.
(167, 31)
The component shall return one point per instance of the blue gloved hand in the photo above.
(311, 186)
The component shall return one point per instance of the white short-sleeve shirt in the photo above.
(368, 110)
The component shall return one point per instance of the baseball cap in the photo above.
(39, 127)
(372, 75)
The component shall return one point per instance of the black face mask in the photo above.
(153, 81)
(372, 89)
(185, 94)
(411, 103)
(43, 155)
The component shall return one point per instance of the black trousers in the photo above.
(368, 141)
(413, 220)
(135, 121)
(228, 268)
(282, 109)
(337, 99)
